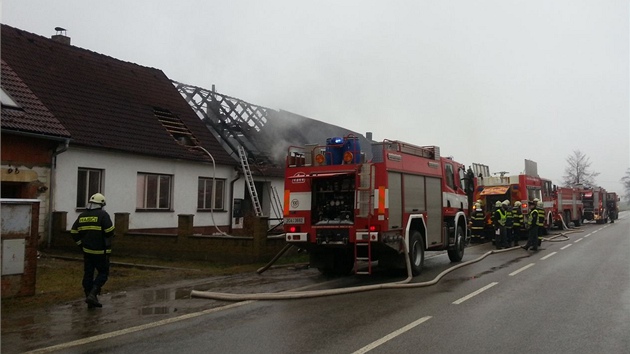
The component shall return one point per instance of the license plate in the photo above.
(290, 221)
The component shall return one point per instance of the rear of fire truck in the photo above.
(345, 210)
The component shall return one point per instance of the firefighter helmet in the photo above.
(539, 204)
(477, 206)
(536, 200)
(497, 204)
(98, 198)
(506, 202)
(517, 204)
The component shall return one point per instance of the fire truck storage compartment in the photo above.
(434, 201)
(333, 202)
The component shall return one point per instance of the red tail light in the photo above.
(372, 228)
(293, 229)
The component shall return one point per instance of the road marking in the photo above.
(121, 332)
(578, 240)
(547, 256)
(567, 246)
(457, 302)
(522, 269)
(588, 235)
(392, 335)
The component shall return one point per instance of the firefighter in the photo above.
(532, 226)
(519, 225)
(541, 221)
(477, 223)
(93, 232)
(498, 221)
(509, 222)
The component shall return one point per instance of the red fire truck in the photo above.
(595, 206)
(567, 206)
(348, 212)
(613, 206)
(524, 187)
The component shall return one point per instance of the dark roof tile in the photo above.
(105, 102)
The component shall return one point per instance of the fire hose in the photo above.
(404, 284)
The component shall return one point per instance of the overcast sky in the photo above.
(492, 81)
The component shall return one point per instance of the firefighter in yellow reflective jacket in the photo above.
(532, 226)
(498, 221)
(541, 221)
(519, 225)
(509, 222)
(93, 232)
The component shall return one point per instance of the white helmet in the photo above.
(517, 204)
(477, 206)
(497, 204)
(506, 202)
(98, 198)
(539, 204)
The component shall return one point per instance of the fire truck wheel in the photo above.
(457, 253)
(416, 252)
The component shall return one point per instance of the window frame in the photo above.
(88, 187)
(144, 182)
(202, 198)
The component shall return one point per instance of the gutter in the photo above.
(238, 176)
(53, 168)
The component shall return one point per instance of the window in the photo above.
(89, 181)
(154, 191)
(210, 193)
(450, 176)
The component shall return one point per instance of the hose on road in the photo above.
(404, 284)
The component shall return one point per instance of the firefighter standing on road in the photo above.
(519, 225)
(541, 220)
(509, 222)
(532, 226)
(93, 232)
(477, 223)
(498, 220)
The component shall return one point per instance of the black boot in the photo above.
(91, 298)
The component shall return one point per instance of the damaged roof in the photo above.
(107, 103)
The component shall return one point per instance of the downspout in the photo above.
(238, 176)
(53, 168)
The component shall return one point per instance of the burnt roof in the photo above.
(31, 116)
(105, 102)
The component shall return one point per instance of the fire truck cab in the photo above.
(349, 213)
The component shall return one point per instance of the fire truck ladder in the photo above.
(366, 189)
(251, 187)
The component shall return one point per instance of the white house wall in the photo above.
(119, 180)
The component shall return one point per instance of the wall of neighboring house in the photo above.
(120, 186)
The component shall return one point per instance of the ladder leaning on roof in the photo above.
(249, 179)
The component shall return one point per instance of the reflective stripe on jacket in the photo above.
(93, 231)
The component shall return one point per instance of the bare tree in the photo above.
(577, 171)
(626, 185)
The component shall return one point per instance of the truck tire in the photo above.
(457, 253)
(416, 253)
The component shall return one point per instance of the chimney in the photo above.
(368, 136)
(60, 36)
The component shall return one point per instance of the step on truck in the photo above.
(350, 209)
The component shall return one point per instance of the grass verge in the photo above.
(59, 279)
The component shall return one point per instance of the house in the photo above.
(30, 137)
(98, 124)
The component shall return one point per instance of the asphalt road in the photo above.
(569, 297)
